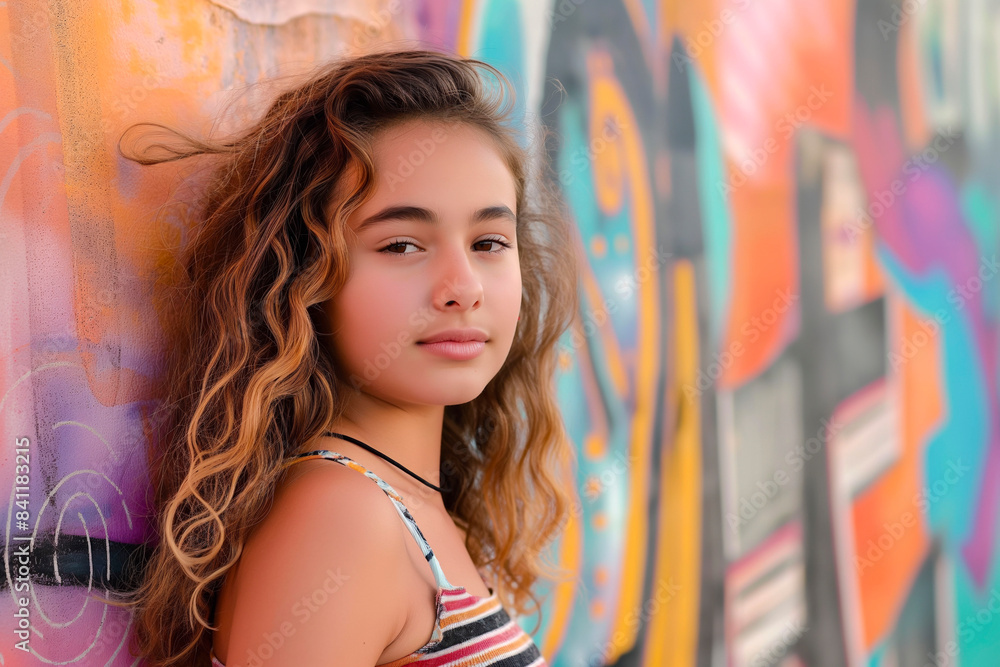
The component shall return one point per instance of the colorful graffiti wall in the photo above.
(783, 380)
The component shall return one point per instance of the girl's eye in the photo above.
(497, 240)
(397, 243)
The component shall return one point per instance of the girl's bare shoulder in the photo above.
(325, 502)
(322, 569)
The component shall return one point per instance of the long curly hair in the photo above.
(248, 381)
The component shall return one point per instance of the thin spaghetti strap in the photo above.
(396, 499)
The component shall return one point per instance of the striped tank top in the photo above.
(469, 630)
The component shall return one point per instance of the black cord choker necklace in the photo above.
(378, 453)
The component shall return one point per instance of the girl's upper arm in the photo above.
(318, 580)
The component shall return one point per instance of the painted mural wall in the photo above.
(783, 380)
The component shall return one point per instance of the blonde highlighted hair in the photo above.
(248, 381)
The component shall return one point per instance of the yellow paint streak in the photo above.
(673, 629)
(463, 41)
(570, 560)
(608, 100)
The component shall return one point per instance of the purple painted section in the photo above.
(922, 222)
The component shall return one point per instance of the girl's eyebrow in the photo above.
(420, 214)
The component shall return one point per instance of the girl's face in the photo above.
(433, 250)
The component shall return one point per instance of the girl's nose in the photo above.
(458, 282)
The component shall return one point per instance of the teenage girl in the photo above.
(362, 458)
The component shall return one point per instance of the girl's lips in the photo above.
(452, 349)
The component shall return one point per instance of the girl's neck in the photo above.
(411, 439)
